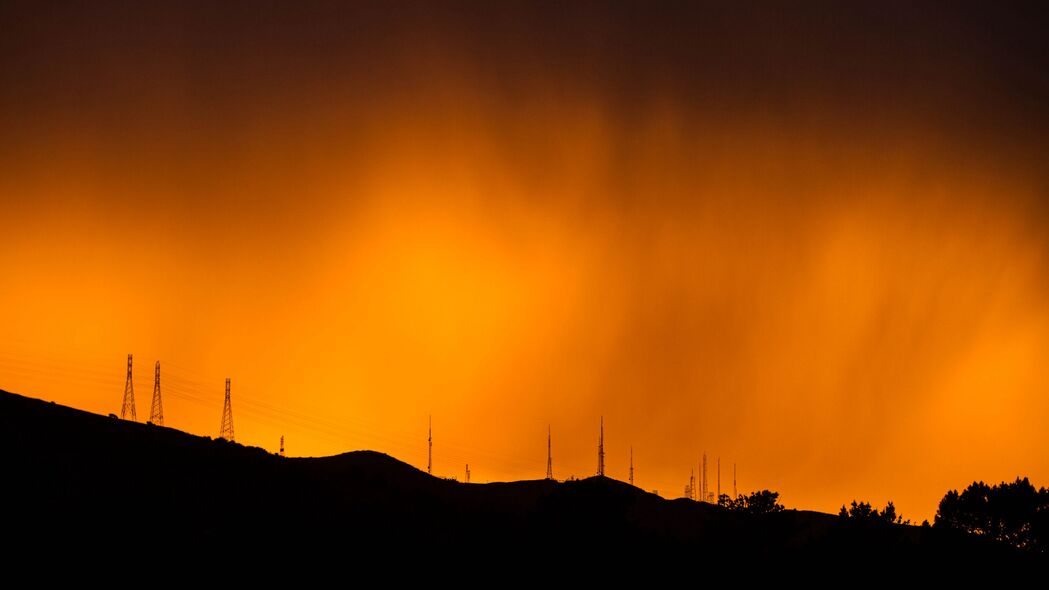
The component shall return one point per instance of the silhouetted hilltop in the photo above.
(76, 479)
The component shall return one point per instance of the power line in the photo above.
(188, 385)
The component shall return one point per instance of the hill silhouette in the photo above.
(77, 480)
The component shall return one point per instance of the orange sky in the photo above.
(797, 242)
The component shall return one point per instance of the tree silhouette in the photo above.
(763, 502)
(866, 512)
(888, 514)
(1013, 513)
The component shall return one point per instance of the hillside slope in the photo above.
(75, 479)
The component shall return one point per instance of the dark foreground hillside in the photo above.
(83, 482)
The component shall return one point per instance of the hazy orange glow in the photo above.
(847, 301)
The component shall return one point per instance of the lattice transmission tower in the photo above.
(156, 412)
(226, 431)
(128, 407)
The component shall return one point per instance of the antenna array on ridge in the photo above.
(695, 488)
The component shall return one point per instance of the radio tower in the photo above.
(691, 489)
(429, 449)
(156, 414)
(549, 456)
(703, 486)
(128, 408)
(227, 417)
(631, 465)
(719, 479)
(467, 473)
(601, 450)
(282, 445)
(734, 494)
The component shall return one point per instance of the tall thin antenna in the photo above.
(549, 455)
(156, 413)
(734, 494)
(128, 407)
(703, 487)
(467, 473)
(226, 431)
(631, 465)
(429, 448)
(282, 445)
(719, 479)
(690, 491)
(601, 450)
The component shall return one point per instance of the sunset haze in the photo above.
(811, 242)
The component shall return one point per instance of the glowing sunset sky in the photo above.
(814, 242)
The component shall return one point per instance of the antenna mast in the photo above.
(429, 448)
(703, 486)
(549, 455)
(631, 465)
(601, 450)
